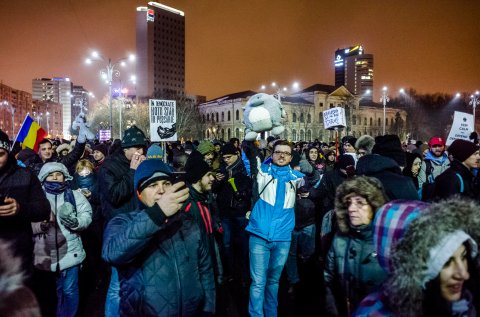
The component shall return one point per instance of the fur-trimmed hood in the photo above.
(368, 187)
(409, 258)
(11, 276)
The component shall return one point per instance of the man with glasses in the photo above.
(435, 163)
(271, 224)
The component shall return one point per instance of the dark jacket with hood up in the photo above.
(352, 270)
(115, 185)
(389, 173)
(20, 184)
(448, 183)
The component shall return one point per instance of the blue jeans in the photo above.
(266, 264)
(303, 245)
(67, 292)
(112, 304)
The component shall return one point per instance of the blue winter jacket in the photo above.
(164, 266)
(273, 215)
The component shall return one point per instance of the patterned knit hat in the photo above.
(155, 152)
(390, 224)
(133, 137)
(4, 141)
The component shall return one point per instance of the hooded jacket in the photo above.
(352, 270)
(439, 165)
(389, 173)
(403, 292)
(22, 185)
(457, 179)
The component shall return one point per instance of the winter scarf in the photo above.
(56, 188)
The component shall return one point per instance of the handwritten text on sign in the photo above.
(163, 118)
(334, 117)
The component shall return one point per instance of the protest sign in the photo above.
(104, 135)
(461, 128)
(334, 118)
(163, 120)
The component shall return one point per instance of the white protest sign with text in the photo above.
(461, 128)
(163, 120)
(334, 118)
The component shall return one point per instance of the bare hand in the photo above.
(10, 207)
(173, 198)
(219, 176)
(137, 158)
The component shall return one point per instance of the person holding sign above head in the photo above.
(458, 178)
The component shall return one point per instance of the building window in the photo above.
(321, 104)
(237, 115)
(331, 105)
(216, 116)
(354, 120)
(302, 119)
(228, 116)
(386, 121)
(379, 122)
(237, 133)
(365, 121)
(294, 135)
(302, 135)
(320, 117)
(294, 117)
(208, 117)
(371, 121)
(309, 135)
(229, 133)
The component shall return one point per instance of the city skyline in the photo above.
(429, 46)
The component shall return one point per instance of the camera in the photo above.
(178, 177)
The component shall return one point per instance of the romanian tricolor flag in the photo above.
(30, 134)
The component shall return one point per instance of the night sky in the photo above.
(429, 45)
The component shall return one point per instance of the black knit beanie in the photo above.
(391, 147)
(195, 168)
(461, 150)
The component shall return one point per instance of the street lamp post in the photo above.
(474, 102)
(384, 99)
(107, 73)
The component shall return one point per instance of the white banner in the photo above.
(163, 120)
(461, 128)
(334, 118)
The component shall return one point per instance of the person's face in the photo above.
(64, 153)
(331, 157)
(209, 156)
(3, 158)
(45, 151)
(206, 182)
(236, 144)
(56, 177)
(361, 152)
(153, 192)
(282, 155)
(85, 171)
(453, 274)
(230, 159)
(348, 148)
(313, 154)
(417, 162)
(131, 151)
(359, 211)
(437, 150)
(472, 161)
(324, 148)
(217, 148)
(98, 156)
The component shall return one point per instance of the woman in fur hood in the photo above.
(351, 269)
(434, 267)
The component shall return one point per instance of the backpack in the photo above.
(428, 187)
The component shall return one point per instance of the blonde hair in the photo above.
(82, 164)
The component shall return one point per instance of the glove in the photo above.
(70, 222)
(84, 132)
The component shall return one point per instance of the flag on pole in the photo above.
(30, 134)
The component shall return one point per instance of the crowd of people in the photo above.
(392, 228)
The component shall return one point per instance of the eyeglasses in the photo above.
(282, 153)
(359, 203)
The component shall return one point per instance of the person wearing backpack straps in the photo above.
(458, 178)
(435, 163)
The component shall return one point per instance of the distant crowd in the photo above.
(393, 228)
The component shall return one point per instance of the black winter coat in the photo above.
(20, 184)
(328, 186)
(448, 183)
(164, 266)
(229, 202)
(307, 210)
(115, 183)
(389, 173)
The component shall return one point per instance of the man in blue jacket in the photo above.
(163, 263)
(271, 224)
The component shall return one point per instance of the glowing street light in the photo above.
(402, 91)
(107, 74)
(279, 90)
(384, 99)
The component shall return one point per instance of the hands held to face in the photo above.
(173, 198)
(137, 158)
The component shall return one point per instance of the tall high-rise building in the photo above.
(58, 90)
(160, 51)
(354, 70)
